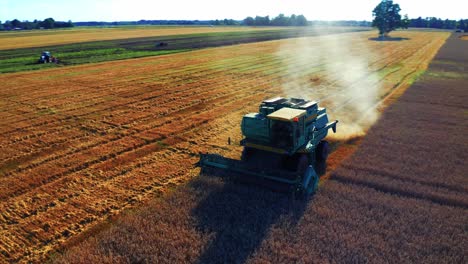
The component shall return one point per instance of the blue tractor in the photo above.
(283, 143)
(46, 57)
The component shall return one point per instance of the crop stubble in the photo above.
(82, 143)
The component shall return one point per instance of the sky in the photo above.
(132, 10)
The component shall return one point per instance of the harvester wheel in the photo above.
(309, 180)
(311, 186)
(322, 151)
(246, 153)
(302, 164)
(321, 167)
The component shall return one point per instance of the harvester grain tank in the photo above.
(283, 143)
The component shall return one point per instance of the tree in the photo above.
(249, 21)
(463, 24)
(387, 17)
(15, 23)
(293, 20)
(435, 22)
(27, 25)
(418, 22)
(48, 23)
(7, 25)
(280, 20)
(301, 20)
(405, 22)
(262, 21)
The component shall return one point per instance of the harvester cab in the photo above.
(283, 142)
(286, 126)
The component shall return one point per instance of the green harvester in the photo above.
(283, 144)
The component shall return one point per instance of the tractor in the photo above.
(46, 57)
(282, 143)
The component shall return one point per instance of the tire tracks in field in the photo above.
(385, 188)
(428, 183)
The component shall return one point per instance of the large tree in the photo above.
(16, 23)
(48, 23)
(249, 21)
(387, 17)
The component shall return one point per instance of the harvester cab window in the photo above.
(300, 129)
(282, 133)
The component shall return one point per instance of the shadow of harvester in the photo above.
(239, 216)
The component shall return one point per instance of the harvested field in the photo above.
(400, 198)
(80, 144)
(24, 39)
(22, 59)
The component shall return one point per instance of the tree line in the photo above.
(47, 23)
(433, 22)
(280, 20)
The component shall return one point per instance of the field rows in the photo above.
(356, 216)
(82, 143)
(15, 40)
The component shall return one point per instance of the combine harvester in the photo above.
(283, 143)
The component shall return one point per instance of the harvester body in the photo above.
(286, 126)
(283, 143)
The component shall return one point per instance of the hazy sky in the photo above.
(120, 10)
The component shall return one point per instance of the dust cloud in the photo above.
(333, 70)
